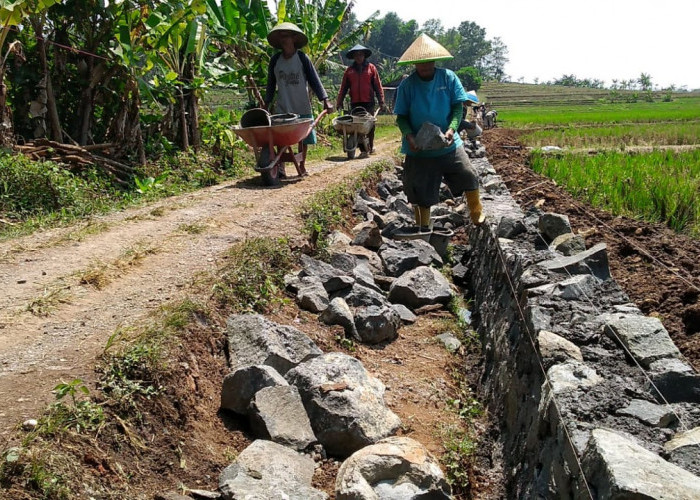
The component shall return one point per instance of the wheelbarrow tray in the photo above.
(359, 124)
(286, 134)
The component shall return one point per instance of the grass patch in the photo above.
(192, 228)
(37, 195)
(324, 211)
(253, 279)
(134, 362)
(620, 136)
(661, 186)
(33, 470)
(49, 301)
(99, 275)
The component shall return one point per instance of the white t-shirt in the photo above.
(292, 90)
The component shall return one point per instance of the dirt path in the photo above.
(174, 239)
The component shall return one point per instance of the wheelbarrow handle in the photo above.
(318, 119)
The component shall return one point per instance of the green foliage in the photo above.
(134, 362)
(459, 450)
(345, 343)
(659, 186)
(31, 469)
(469, 77)
(78, 413)
(130, 374)
(253, 278)
(36, 194)
(143, 186)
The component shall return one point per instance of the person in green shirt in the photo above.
(430, 99)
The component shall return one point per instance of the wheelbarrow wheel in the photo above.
(270, 176)
(351, 146)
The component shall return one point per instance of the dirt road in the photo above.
(52, 326)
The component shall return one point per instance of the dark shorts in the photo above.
(422, 176)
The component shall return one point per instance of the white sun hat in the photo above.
(424, 49)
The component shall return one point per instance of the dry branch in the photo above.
(77, 157)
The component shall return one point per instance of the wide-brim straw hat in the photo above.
(273, 37)
(424, 49)
(358, 48)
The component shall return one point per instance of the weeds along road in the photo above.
(52, 327)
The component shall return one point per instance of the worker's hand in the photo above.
(327, 105)
(450, 136)
(339, 106)
(412, 143)
(382, 107)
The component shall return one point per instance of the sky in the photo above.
(595, 39)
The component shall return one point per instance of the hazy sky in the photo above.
(603, 39)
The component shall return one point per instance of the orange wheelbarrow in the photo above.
(272, 138)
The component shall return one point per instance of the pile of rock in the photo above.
(304, 405)
(374, 283)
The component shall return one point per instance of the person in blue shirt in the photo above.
(434, 96)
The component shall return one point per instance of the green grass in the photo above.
(620, 136)
(253, 278)
(324, 211)
(661, 185)
(599, 113)
(658, 186)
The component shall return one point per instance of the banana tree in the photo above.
(321, 21)
(162, 45)
(177, 32)
(13, 13)
(240, 29)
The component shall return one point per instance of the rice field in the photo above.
(616, 136)
(662, 184)
(657, 186)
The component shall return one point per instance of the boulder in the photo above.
(344, 402)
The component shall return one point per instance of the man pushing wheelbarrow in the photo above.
(289, 74)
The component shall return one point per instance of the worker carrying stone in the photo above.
(429, 109)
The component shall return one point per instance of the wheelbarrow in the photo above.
(355, 128)
(272, 138)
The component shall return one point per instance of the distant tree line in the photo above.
(476, 58)
(643, 83)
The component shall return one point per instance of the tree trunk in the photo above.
(6, 128)
(184, 136)
(192, 105)
(55, 129)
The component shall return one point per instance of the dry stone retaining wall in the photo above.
(594, 399)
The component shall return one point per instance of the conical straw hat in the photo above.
(424, 49)
(273, 37)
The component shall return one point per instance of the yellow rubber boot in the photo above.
(422, 216)
(474, 204)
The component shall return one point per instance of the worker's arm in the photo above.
(455, 118)
(377, 86)
(404, 125)
(344, 87)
